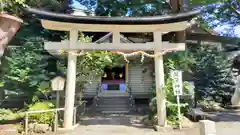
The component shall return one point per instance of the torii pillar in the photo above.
(158, 25)
(71, 82)
(160, 81)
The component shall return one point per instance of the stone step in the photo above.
(112, 109)
(113, 94)
(113, 106)
(113, 98)
(113, 101)
(114, 112)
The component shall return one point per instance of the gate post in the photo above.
(159, 80)
(71, 83)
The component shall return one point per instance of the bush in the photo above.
(41, 118)
(172, 112)
(210, 106)
(7, 115)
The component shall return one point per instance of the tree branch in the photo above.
(234, 9)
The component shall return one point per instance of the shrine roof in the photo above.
(162, 19)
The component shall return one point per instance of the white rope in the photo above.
(126, 55)
(77, 53)
(81, 53)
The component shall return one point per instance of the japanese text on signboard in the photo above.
(176, 76)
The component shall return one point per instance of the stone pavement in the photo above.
(227, 123)
(121, 125)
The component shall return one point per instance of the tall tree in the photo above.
(219, 13)
(211, 75)
(127, 7)
(14, 6)
(29, 64)
(26, 67)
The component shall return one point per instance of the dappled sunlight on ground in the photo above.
(120, 124)
(226, 123)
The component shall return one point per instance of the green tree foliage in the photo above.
(127, 7)
(62, 6)
(174, 61)
(92, 63)
(11, 6)
(208, 67)
(29, 64)
(203, 2)
(26, 71)
(219, 13)
(172, 112)
(179, 61)
(211, 75)
(14, 6)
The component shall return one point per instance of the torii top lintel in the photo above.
(67, 22)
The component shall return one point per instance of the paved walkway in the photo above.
(120, 125)
(227, 123)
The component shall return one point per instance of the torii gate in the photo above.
(158, 25)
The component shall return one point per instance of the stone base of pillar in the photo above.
(207, 127)
(68, 129)
(162, 129)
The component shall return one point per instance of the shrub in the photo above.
(41, 118)
(210, 106)
(8, 115)
(172, 112)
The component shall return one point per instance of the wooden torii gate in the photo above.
(158, 25)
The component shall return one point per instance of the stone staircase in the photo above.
(113, 103)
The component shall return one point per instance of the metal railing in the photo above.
(55, 111)
(131, 99)
(99, 90)
(97, 94)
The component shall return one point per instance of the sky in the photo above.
(218, 29)
(77, 5)
(237, 30)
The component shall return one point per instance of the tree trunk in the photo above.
(9, 25)
(176, 7)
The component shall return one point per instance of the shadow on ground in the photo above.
(133, 120)
(225, 116)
